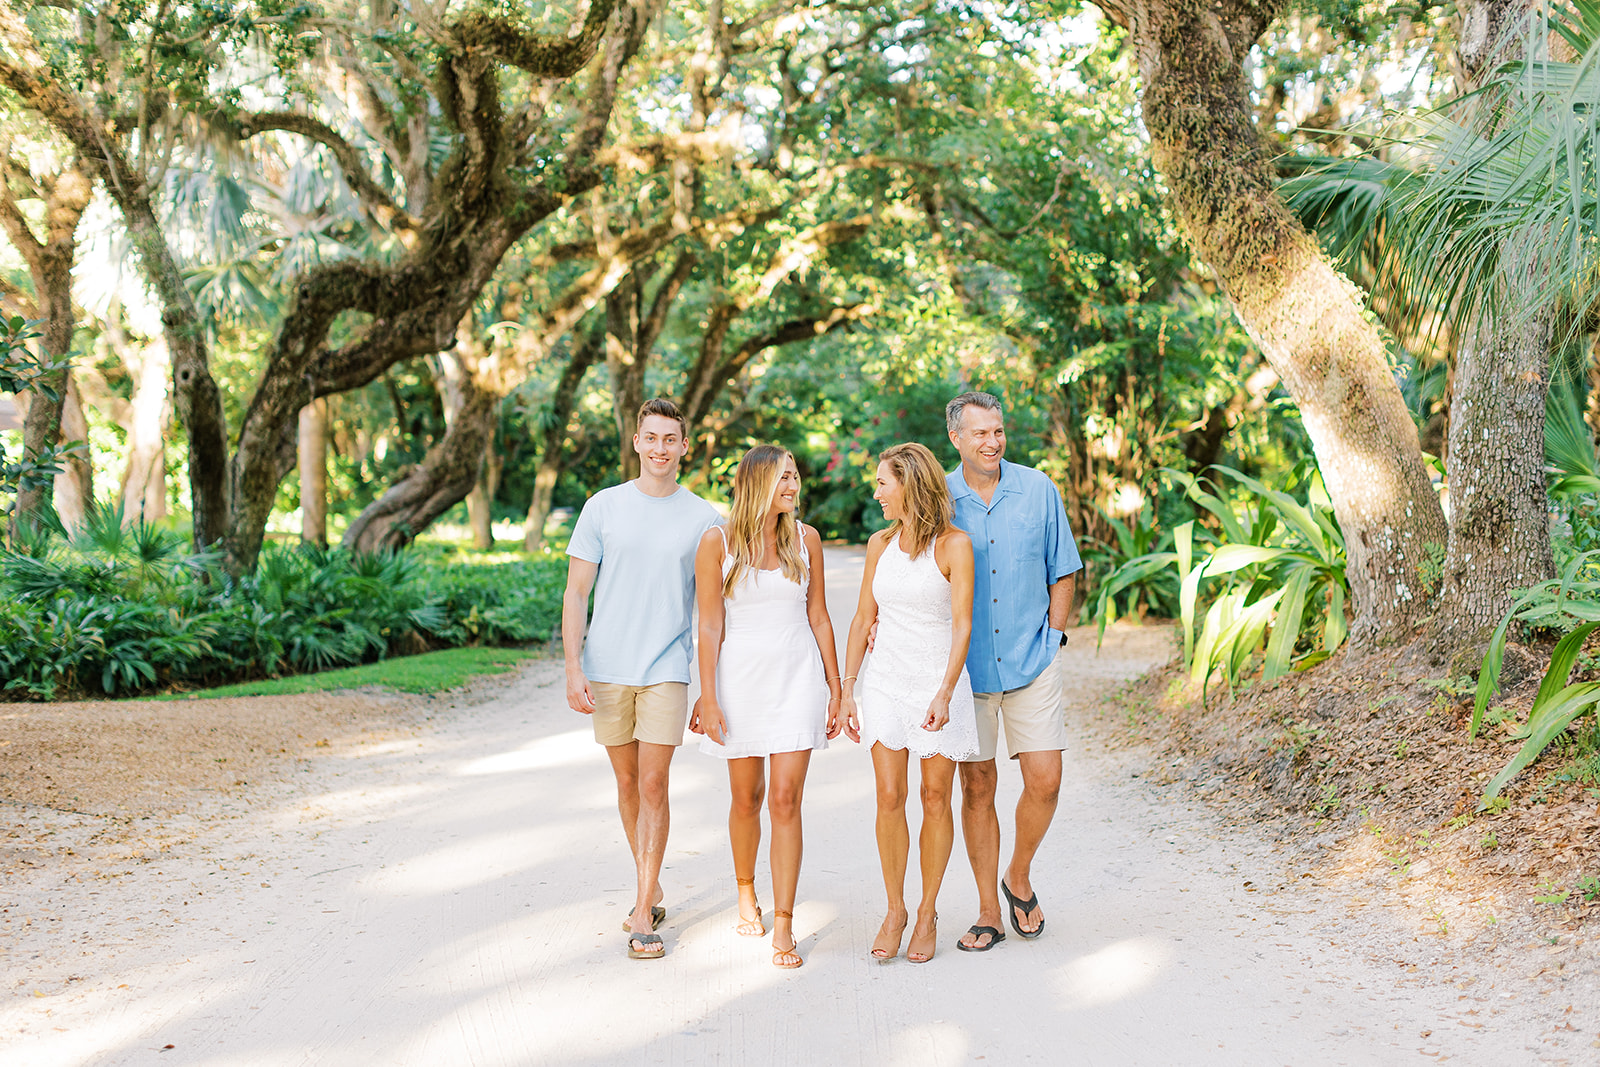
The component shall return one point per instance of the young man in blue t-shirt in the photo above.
(634, 546)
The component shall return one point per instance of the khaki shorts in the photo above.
(1035, 716)
(655, 714)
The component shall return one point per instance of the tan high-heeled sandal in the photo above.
(749, 927)
(787, 958)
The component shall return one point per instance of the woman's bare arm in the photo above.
(822, 626)
(953, 553)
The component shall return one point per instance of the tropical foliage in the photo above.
(119, 608)
(1260, 573)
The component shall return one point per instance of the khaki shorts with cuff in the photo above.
(655, 714)
(1035, 716)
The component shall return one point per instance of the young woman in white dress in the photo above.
(769, 675)
(915, 694)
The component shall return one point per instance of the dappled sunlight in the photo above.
(571, 749)
(479, 860)
(361, 801)
(931, 1045)
(83, 1043)
(1117, 971)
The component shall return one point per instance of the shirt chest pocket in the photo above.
(1026, 538)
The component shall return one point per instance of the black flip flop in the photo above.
(1023, 906)
(658, 914)
(647, 940)
(995, 937)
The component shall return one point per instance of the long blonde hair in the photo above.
(926, 500)
(755, 485)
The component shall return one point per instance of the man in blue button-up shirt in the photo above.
(1025, 560)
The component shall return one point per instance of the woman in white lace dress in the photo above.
(769, 675)
(915, 695)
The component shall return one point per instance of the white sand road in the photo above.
(456, 898)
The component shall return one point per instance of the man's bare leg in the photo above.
(650, 842)
(625, 766)
(1041, 788)
(980, 827)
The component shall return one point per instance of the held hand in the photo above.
(835, 724)
(938, 714)
(578, 696)
(711, 721)
(851, 721)
(694, 718)
(872, 635)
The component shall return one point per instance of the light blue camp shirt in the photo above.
(641, 632)
(1021, 546)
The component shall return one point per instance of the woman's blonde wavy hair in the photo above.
(755, 484)
(926, 502)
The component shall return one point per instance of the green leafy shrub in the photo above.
(1272, 571)
(117, 609)
(1150, 587)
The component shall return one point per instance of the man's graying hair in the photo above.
(955, 411)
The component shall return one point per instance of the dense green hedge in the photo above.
(116, 610)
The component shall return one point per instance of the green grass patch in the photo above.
(430, 672)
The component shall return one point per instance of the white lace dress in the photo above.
(770, 683)
(908, 661)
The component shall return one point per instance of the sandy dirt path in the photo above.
(455, 896)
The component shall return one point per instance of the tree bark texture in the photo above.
(553, 438)
(74, 488)
(313, 452)
(480, 500)
(49, 259)
(445, 476)
(1499, 513)
(1306, 318)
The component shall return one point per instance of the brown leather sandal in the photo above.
(787, 958)
(744, 926)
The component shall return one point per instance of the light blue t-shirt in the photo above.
(642, 629)
(1021, 546)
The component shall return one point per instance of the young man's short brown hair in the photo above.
(665, 408)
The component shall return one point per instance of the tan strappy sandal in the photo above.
(787, 958)
(750, 927)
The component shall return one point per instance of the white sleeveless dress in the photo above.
(908, 661)
(770, 683)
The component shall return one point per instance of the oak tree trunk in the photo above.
(74, 488)
(480, 501)
(1304, 316)
(626, 362)
(443, 479)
